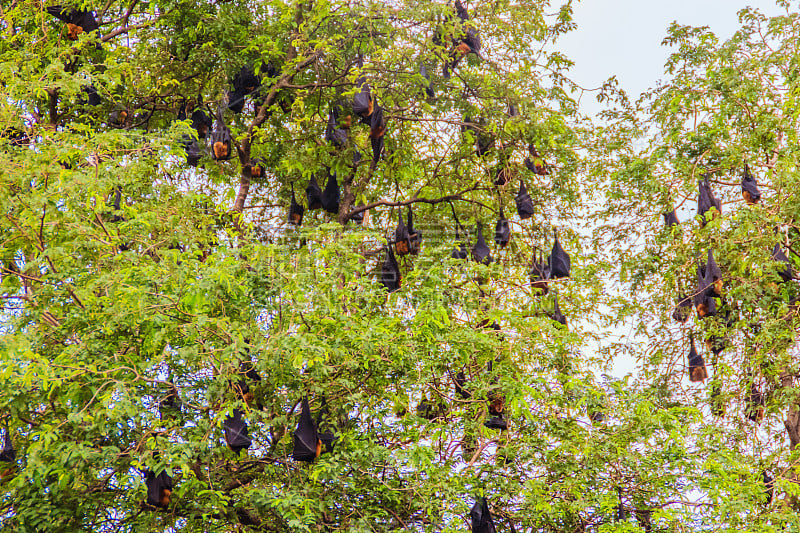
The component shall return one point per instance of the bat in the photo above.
(683, 309)
(363, 103)
(236, 436)
(502, 231)
(750, 191)
(480, 516)
(314, 194)
(377, 132)
(621, 514)
(785, 266)
(540, 273)
(159, 488)
(706, 199)
(192, 150)
(769, 487)
(257, 170)
(713, 275)
(558, 260)
(295, 211)
(697, 367)
(402, 237)
(307, 445)
(201, 122)
(245, 83)
(390, 271)
(77, 21)
(524, 202)
(330, 196)
(671, 219)
(535, 163)
(480, 251)
(221, 141)
(557, 315)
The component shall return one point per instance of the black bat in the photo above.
(236, 436)
(481, 518)
(77, 21)
(201, 122)
(295, 211)
(671, 219)
(159, 488)
(540, 273)
(363, 102)
(245, 83)
(750, 191)
(502, 231)
(535, 163)
(706, 199)
(402, 237)
(307, 445)
(330, 196)
(785, 266)
(480, 251)
(524, 202)
(390, 271)
(697, 366)
(713, 275)
(314, 194)
(257, 170)
(221, 141)
(558, 261)
(683, 309)
(557, 315)
(8, 454)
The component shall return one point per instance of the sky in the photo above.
(623, 37)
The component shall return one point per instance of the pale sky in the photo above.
(623, 37)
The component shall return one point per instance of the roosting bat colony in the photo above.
(357, 108)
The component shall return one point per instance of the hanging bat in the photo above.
(314, 194)
(671, 219)
(402, 238)
(683, 309)
(481, 518)
(559, 260)
(390, 271)
(236, 436)
(159, 489)
(750, 191)
(524, 202)
(535, 163)
(245, 83)
(502, 231)
(481, 252)
(540, 273)
(706, 199)
(785, 266)
(330, 196)
(697, 367)
(221, 141)
(557, 315)
(77, 21)
(307, 445)
(295, 211)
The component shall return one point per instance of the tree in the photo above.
(724, 115)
